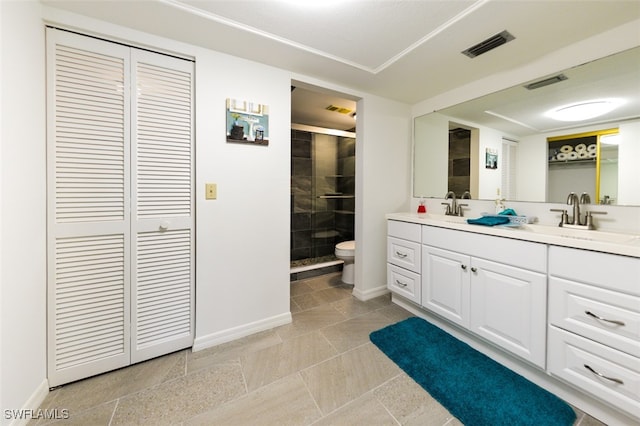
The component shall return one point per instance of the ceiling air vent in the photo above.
(489, 44)
(547, 81)
(341, 110)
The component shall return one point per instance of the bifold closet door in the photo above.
(88, 184)
(162, 285)
(120, 208)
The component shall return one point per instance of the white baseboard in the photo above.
(31, 406)
(224, 336)
(370, 294)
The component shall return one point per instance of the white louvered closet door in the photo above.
(162, 219)
(120, 222)
(88, 183)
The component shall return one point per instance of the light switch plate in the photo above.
(211, 191)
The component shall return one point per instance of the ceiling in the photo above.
(406, 50)
(518, 111)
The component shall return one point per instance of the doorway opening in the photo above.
(322, 180)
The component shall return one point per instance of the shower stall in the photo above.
(322, 195)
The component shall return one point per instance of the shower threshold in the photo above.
(312, 266)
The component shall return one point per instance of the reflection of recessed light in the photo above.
(583, 110)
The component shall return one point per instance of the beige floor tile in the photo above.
(307, 301)
(396, 313)
(284, 402)
(346, 377)
(410, 404)
(310, 320)
(352, 307)
(294, 307)
(97, 390)
(325, 281)
(270, 364)
(334, 294)
(299, 287)
(189, 395)
(365, 410)
(231, 351)
(586, 420)
(354, 332)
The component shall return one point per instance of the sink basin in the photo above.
(445, 218)
(579, 234)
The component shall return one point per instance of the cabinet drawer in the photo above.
(403, 282)
(404, 230)
(569, 356)
(619, 326)
(404, 253)
(611, 271)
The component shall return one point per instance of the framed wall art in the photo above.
(247, 122)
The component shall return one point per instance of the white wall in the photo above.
(242, 257)
(629, 172)
(383, 184)
(23, 243)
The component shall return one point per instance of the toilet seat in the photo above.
(346, 248)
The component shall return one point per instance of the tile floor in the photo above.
(319, 370)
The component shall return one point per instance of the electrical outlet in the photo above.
(211, 191)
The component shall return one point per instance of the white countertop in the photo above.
(606, 242)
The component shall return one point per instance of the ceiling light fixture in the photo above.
(583, 110)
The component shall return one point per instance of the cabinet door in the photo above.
(445, 284)
(508, 308)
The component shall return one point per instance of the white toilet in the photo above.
(346, 251)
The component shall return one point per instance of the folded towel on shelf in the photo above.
(489, 220)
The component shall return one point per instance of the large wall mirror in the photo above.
(507, 144)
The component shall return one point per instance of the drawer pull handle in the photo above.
(474, 269)
(401, 255)
(400, 283)
(591, 314)
(613, 379)
(464, 267)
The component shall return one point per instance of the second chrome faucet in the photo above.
(575, 221)
(454, 209)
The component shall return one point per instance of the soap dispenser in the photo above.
(422, 209)
(499, 202)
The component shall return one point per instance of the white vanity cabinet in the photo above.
(594, 324)
(495, 287)
(404, 259)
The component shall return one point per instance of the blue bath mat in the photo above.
(474, 388)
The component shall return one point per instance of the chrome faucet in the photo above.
(575, 221)
(573, 200)
(452, 209)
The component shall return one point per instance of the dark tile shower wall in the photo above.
(301, 194)
(318, 224)
(459, 161)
